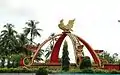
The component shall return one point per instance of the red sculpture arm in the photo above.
(56, 49)
(91, 50)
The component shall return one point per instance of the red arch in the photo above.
(91, 50)
(56, 49)
(55, 52)
(38, 49)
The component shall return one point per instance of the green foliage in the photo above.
(110, 58)
(48, 50)
(12, 61)
(16, 70)
(118, 61)
(100, 71)
(8, 63)
(75, 70)
(87, 70)
(13, 43)
(32, 30)
(45, 71)
(42, 71)
(16, 60)
(65, 57)
(2, 61)
(115, 72)
(22, 41)
(85, 63)
(8, 40)
(40, 54)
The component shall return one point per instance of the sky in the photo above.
(96, 21)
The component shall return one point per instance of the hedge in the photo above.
(17, 70)
(45, 70)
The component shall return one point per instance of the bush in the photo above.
(42, 71)
(85, 63)
(15, 70)
(101, 71)
(115, 72)
(15, 60)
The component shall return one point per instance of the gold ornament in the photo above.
(68, 27)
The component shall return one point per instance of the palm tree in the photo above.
(22, 41)
(32, 30)
(8, 42)
(40, 54)
(8, 39)
(53, 39)
(50, 47)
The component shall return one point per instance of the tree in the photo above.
(32, 30)
(22, 41)
(65, 57)
(110, 58)
(118, 61)
(115, 57)
(50, 47)
(8, 40)
(53, 39)
(40, 54)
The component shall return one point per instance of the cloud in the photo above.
(95, 20)
(17, 8)
(3, 3)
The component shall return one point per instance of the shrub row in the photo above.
(43, 70)
(16, 70)
(99, 71)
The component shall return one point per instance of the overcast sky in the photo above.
(96, 20)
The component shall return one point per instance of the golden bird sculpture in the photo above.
(68, 27)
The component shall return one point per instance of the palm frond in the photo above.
(48, 54)
(39, 29)
(36, 22)
(4, 31)
(38, 34)
(27, 31)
